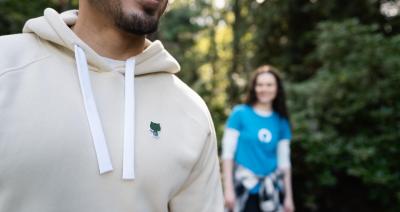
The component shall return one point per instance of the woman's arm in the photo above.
(229, 191)
(285, 166)
(229, 142)
(288, 203)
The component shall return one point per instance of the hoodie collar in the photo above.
(55, 28)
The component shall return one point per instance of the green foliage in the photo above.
(178, 32)
(191, 32)
(340, 59)
(347, 118)
(284, 31)
(14, 13)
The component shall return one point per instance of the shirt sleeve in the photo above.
(284, 154)
(202, 191)
(229, 143)
(234, 120)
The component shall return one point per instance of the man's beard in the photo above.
(142, 23)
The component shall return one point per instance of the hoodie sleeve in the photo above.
(202, 191)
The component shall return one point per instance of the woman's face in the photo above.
(266, 88)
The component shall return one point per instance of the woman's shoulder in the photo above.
(240, 108)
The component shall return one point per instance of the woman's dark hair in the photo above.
(279, 103)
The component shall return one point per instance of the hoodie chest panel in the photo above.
(45, 142)
(46, 121)
(165, 159)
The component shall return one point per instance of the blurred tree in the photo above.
(196, 34)
(14, 13)
(285, 30)
(346, 118)
(339, 59)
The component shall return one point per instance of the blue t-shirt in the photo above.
(258, 139)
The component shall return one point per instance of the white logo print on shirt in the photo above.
(264, 135)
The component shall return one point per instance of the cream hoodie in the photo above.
(76, 135)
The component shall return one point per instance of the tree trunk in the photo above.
(233, 95)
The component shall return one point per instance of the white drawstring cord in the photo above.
(99, 141)
(128, 172)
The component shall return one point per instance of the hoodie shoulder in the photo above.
(19, 50)
(194, 105)
(175, 93)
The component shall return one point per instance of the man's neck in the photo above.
(101, 34)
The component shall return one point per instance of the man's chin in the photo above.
(138, 26)
(138, 31)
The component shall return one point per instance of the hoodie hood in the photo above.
(55, 28)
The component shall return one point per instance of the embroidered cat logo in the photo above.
(155, 129)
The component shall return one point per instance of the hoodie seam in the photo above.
(21, 67)
(193, 174)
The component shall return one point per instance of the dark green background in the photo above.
(340, 61)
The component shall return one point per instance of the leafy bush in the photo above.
(347, 120)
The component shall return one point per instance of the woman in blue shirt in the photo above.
(256, 148)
